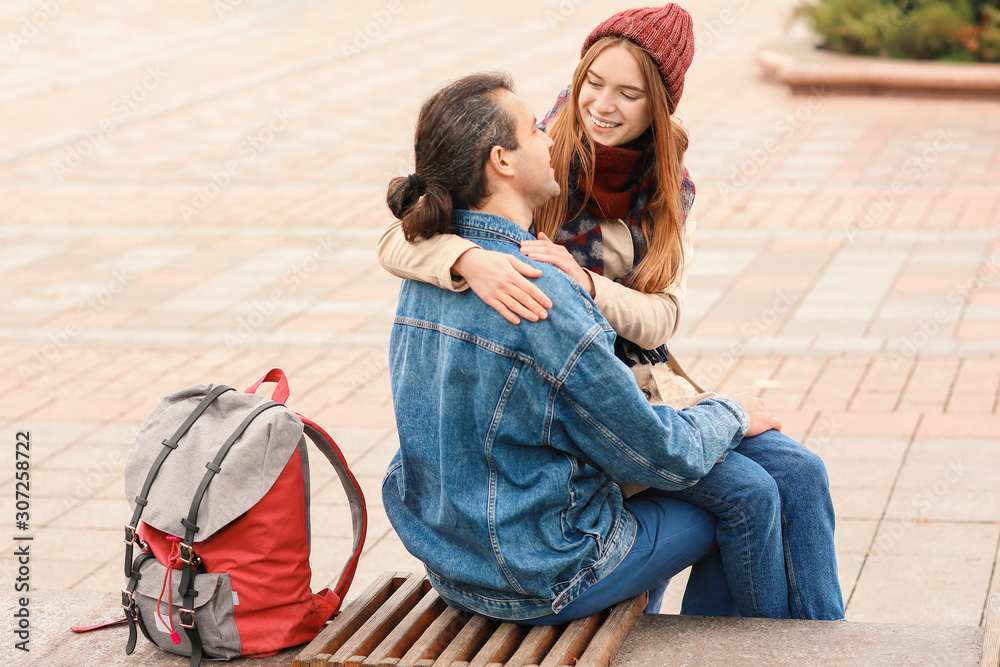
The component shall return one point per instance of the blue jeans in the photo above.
(775, 531)
(766, 549)
(670, 536)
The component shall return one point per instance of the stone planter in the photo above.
(797, 63)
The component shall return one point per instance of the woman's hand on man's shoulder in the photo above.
(501, 281)
(545, 250)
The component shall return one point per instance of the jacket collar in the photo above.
(476, 224)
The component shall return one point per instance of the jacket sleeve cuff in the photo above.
(427, 260)
(449, 280)
(741, 416)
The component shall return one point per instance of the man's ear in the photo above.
(500, 162)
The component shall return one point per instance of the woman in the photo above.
(622, 229)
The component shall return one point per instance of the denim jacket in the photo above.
(510, 437)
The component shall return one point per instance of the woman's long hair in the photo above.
(663, 226)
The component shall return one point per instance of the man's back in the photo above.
(510, 437)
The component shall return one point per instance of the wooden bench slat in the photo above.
(380, 624)
(573, 641)
(435, 639)
(534, 647)
(501, 645)
(467, 642)
(612, 633)
(406, 633)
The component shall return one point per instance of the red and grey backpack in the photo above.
(218, 481)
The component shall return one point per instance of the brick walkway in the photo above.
(194, 195)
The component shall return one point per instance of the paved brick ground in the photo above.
(194, 194)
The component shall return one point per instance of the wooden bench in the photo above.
(399, 621)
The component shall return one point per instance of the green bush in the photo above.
(989, 40)
(966, 30)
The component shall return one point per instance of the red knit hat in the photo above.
(666, 33)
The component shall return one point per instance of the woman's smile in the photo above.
(603, 124)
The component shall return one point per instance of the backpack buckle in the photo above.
(186, 617)
(130, 534)
(187, 554)
(127, 600)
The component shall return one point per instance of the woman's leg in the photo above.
(807, 523)
(670, 536)
(746, 501)
(703, 597)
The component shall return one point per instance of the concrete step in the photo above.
(666, 641)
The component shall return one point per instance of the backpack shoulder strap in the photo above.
(169, 445)
(359, 513)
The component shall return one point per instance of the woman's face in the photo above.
(614, 104)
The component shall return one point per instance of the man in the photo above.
(510, 436)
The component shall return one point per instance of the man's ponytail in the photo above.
(423, 207)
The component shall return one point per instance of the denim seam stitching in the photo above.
(491, 506)
(488, 345)
(476, 231)
(574, 358)
(793, 589)
(628, 451)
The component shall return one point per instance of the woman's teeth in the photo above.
(600, 123)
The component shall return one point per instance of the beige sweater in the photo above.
(648, 320)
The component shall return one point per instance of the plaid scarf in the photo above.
(623, 178)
